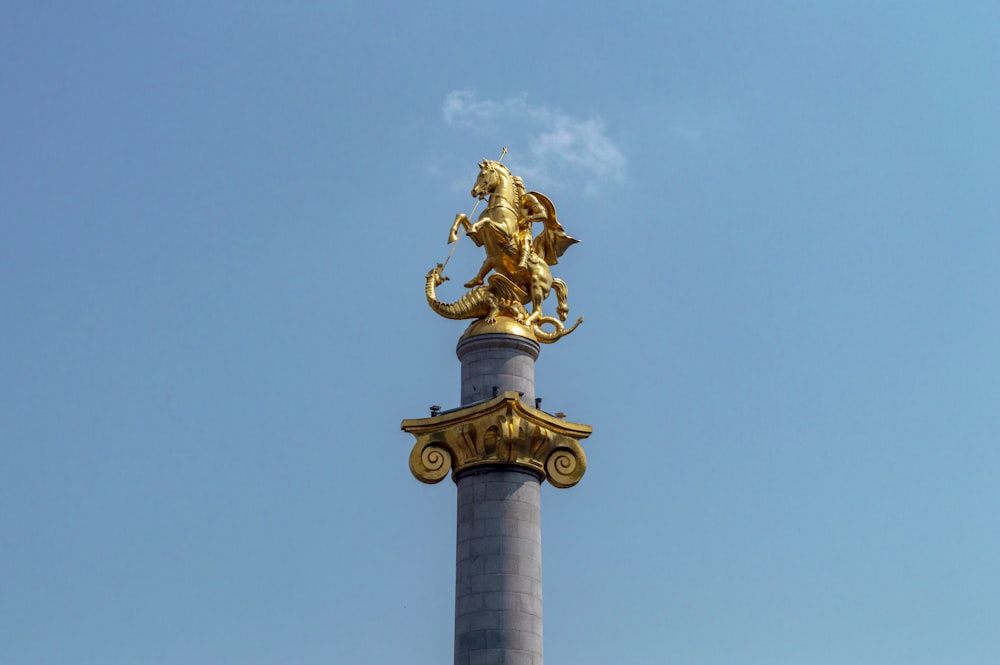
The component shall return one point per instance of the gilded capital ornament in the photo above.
(516, 270)
(503, 431)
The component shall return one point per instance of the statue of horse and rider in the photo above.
(504, 229)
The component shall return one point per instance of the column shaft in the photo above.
(498, 589)
(498, 572)
(501, 362)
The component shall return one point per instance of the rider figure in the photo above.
(532, 211)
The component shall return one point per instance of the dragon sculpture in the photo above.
(499, 297)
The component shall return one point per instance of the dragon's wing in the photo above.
(508, 290)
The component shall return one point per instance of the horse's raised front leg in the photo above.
(460, 219)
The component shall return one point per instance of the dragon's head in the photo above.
(435, 274)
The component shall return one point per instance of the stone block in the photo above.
(526, 623)
(468, 603)
(487, 657)
(502, 600)
(488, 509)
(530, 568)
(472, 640)
(487, 545)
(479, 620)
(501, 563)
(472, 566)
(530, 604)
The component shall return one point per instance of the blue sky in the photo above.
(216, 221)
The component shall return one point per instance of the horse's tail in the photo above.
(561, 291)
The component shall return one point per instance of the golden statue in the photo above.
(518, 260)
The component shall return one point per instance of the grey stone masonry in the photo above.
(497, 361)
(498, 571)
(498, 588)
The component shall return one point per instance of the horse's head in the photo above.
(491, 174)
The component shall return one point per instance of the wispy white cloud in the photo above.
(557, 148)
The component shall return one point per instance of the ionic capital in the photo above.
(501, 431)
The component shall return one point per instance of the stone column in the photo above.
(495, 363)
(498, 572)
(499, 449)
